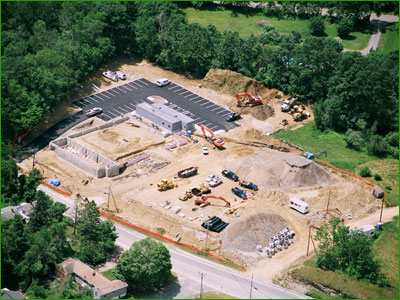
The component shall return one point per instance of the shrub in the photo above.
(354, 139)
(377, 177)
(317, 26)
(388, 187)
(344, 27)
(161, 230)
(377, 146)
(365, 172)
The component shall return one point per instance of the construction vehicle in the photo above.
(187, 172)
(284, 122)
(202, 189)
(288, 103)
(219, 143)
(251, 101)
(203, 200)
(300, 116)
(166, 184)
(187, 195)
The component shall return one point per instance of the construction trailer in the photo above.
(367, 230)
(164, 117)
(299, 205)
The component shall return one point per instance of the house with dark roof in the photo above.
(102, 287)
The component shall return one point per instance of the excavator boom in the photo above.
(216, 141)
(251, 101)
(204, 200)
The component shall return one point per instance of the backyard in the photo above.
(246, 24)
(389, 39)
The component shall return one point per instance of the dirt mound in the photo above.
(271, 169)
(256, 229)
(230, 82)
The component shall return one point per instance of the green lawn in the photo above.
(386, 249)
(314, 141)
(245, 25)
(214, 295)
(109, 274)
(390, 39)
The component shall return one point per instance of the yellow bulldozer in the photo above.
(166, 184)
(187, 195)
(202, 189)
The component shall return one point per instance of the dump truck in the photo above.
(288, 103)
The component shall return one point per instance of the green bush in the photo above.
(344, 27)
(354, 139)
(365, 172)
(161, 230)
(388, 187)
(377, 177)
(317, 26)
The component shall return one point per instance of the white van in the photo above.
(162, 82)
(299, 205)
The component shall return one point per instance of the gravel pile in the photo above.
(256, 229)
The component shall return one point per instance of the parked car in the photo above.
(94, 111)
(162, 82)
(118, 257)
(210, 177)
(204, 150)
(238, 192)
(248, 185)
(215, 181)
(111, 75)
(230, 175)
(121, 75)
(232, 117)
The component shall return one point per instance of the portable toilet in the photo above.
(189, 134)
(308, 155)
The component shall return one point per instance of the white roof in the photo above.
(298, 201)
(366, 228)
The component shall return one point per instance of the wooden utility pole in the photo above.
(208, 225)
(201, 286)
(380, 218)
(308, 244)
(108, 198)
(251, 285)
(115, 204)
(327, 206)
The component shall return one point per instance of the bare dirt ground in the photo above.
(138, 200)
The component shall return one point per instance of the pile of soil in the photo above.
(230, 82)
(256, 229)
(271, 169)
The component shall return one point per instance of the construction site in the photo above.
(163, 182)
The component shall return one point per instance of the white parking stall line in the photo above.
(215, 108)
(87, 100)
(132, 105)
(202, 121)
(173, 87)
(190, 99)
(121, 113)
(127, 107)
(120, 89)
(124, 86)
(226, 114)
(98, 96)
(207, 102)
(208, 124)
(135, 82)
(221, 111)
(180, 89)
(112, 114)
(91, 98)
(131, 85)
(143, 82)
(107, 116)
(109, 93)
(173, 105)
(184, 92)
(214, 127)
(210, 105)
(187, 95)
(113, 90)
(200, 100)
(196, 118)
(125, 111)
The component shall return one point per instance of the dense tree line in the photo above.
(48, 47)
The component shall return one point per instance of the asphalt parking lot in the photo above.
(123, 99)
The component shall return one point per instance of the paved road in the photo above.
(123, 99)
(188, 267)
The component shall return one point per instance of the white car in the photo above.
(210, 177)
(204, 150)
(121, 75)
(111, 75)
(94, 111)
(215, 181)
(162, 82)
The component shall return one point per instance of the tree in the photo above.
(344, 27)
(69, 289)
(146, 266)
(354, 139)
(348, 251)
(317, 26)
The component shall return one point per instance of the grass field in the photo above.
(314, 141)
(389, 39)
(386, 248)
(109, 274)
(245, 24)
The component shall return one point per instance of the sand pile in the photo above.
(230, 82)
(256, 229)
(271, 169)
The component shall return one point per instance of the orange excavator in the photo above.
(203, 200)
(213, 139)
(251, 101)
